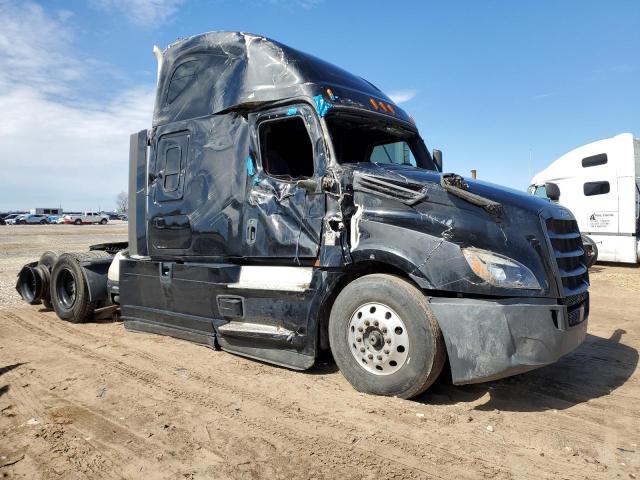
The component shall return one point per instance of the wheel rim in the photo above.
(66, 289)
(378, 339)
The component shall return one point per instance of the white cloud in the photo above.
(305, 4)
(58, 145)
(143, 12)
(401, 96)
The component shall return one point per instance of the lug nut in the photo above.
(375, 323)
(359, 339)
(388, 340)
(360, 329)
(370, 356)
(379, 357)
(386, 352)
(362, 349)
(367, 323)
(384, 329)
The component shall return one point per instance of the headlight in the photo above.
(499, 270)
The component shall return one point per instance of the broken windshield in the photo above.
(358, 139)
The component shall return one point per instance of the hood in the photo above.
(420, 178)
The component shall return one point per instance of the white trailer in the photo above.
(600, 183)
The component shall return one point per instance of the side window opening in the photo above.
(594, 160)
(285, 148)
(182, 77)
(596, 188)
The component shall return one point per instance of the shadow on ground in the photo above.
(596, 368)
(5, 388)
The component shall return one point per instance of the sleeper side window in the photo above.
(182, 78)
(285, 148)
(596, 188)
(594, 160)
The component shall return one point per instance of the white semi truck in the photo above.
(600, 184)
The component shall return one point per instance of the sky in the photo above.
(501, 87)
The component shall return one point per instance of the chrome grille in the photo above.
(569, 254)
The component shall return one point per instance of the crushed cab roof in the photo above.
(227, 70)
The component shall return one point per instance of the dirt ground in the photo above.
(95, 401)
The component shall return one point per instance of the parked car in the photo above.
(31, 219)
(53, 218)
(85, 218)
(11, 218)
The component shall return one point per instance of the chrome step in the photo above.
(258, 331)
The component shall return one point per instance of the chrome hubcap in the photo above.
(378, 339)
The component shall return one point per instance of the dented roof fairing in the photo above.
(228, 70)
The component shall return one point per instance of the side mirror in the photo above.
(553, 191)
(437, 159)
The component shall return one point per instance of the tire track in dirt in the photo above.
(422, 451)
(310, 444)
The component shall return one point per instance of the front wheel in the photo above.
(384, 337)
(103, 221)
(77, 222)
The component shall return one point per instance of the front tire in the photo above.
(77, 222)
(103, 221)
(384, 337)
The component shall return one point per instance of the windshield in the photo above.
(539, 191)
(366, 140)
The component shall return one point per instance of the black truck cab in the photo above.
(280, 206)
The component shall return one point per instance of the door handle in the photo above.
(252, 228)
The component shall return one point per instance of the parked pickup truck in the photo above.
(280, 207)
(86, 217)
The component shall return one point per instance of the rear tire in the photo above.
(103, 221)
(69, 290)
(77, 222)
(591, 250)
(48, 259)
(404, 350)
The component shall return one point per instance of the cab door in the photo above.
(169, 229)
(285, 205)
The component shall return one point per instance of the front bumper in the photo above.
(491, 339)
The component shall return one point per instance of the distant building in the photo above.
(46, 211)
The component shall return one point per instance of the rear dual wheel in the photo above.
(69, 290)
(385, 338)
(48, 259)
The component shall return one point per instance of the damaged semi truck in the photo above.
(280, 207)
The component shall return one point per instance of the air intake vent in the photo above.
(405, 192)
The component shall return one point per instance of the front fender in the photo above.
(432, 262)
